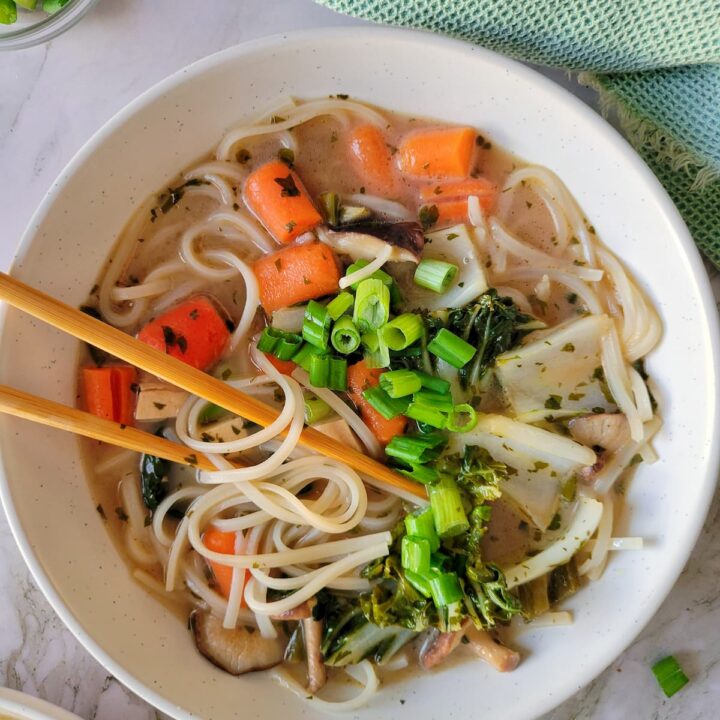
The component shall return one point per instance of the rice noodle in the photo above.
(595, 564)
(382, 206)
(365, 272)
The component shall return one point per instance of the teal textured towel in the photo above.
(655, 62)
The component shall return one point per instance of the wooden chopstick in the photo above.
(117, 343)
(30, 407)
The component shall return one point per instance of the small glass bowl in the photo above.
(34, 26)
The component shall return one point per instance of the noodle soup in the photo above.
(421, 296)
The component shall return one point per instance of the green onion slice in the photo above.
(337, 376)
(435, 275)
(445, 589)
(451, 348)
(421, 524)
(316, 409)
(319, 371)
(339, 305)
(399, 383)
(420, 583)
(455, 422)
(447, 508)
(316, 325)
(388, 407)
(415, 554)
(344, 336)
(670, 675)
(403, 331)
(372, 305)
(427, 415)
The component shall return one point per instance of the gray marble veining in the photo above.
(52, 99)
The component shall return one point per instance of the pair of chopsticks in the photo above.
(127, 348)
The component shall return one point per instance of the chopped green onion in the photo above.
(337, 378)
(445, 589)
(403, 331)
(422, 474)
(377, 355)
(430, 382)
(372, 305)
(412, 450)
(388, 407)
(420, 583)
(415, 554)
(339, 305)
(399, 383)
(447, 508)
(451, 348)
(287, 346)
(210, 413)
(427, 415)
(316, 409)
(316, 325)
(344, 336)
(319, 370)
(421, 524)
(458, 411)
(377, 275)
(269, 339)
(428, 398)
(435, 275)
(303, 355)
(438, 563)
(670, 675)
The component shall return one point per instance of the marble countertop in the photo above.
(52, 98)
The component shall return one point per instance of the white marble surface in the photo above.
(52, 98)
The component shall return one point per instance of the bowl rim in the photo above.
(677, 228)
(29, 707)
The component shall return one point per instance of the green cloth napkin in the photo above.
(655, 62)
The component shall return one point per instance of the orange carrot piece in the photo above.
(278, 198)
(433, 193)
(372, 160)
(123, 379)
(360, 378)
(295, 274)
(286, 367)
(445, 152)
(193, 332)
(108, 393)
(221, 542)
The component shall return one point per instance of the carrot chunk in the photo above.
(108, 392)
(434, 193)
(193, 332)
(221, 542)
(445, 152)
(279, 200)
(361, 377)
(295, 274)
(372, 160)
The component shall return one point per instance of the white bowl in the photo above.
(19, 706)
(44, 488)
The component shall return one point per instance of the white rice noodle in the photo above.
(289, 319)
(648, 454)
(581, 527)
(380, 205)
(237, 585)
(161, 511)
(366, 436)
(627, 543)
(363, 673)
(247, 227)
(572, 282)
(593, 567)
(537, 258)
(641, 395)
(622, 459)
(232, 170)
(616, 374)
(296, 116)
(556, 190)
(365, 272)
(176, 294)
(227, 196)
(641, 327)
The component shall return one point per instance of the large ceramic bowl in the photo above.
(44, 488)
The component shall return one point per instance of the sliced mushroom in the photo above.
(158, 400)
(494, 653)
(236, 651)
(301, 612)
(363, 244)
(608, 430)
(317, 676)
(339, 430)
(438, 646)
